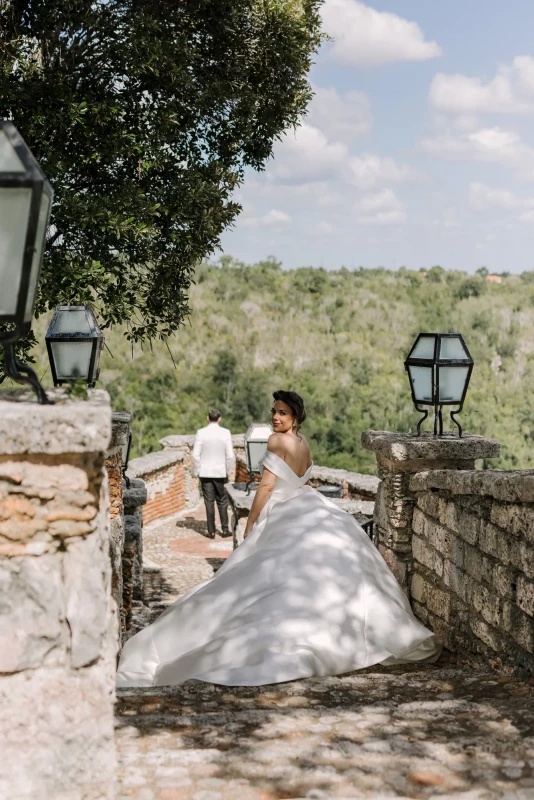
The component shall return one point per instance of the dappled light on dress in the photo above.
(306, 594)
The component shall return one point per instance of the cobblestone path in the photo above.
(449, 731)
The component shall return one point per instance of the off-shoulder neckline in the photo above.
(300, 477)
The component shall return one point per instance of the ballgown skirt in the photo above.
(306, 594)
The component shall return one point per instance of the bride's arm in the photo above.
(263, 493)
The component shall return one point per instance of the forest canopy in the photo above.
(340, 339)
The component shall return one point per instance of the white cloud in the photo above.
(272, 219)
(484, 198)
(380, 208)
(364, 36)
(510, 91)
(325, 228)
(368, 170)
(306, 155)
(491, 145)
(340, 116)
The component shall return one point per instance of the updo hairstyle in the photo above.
(295, 403)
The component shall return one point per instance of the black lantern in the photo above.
(74, 342)
(25, 202)
(439, 367)
(256, 439)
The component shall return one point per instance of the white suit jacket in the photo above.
(213, 454)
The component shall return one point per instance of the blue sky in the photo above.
(418, 148)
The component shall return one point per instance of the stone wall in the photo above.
(120, 429)
(58, 621)
(163, 474)
(473, 568)
(135, 497)
(399, 457)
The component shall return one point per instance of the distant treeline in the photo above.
(340, 339)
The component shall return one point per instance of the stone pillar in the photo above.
(120, 430)
(58, 625)
(135, 497)
(399, 456)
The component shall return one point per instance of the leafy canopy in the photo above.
(144, 116)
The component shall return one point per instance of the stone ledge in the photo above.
(69, 426)
(139, 467)
(358, 482)
(509, 486)
(409, 447)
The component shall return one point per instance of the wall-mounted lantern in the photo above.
(439, 367)
(25, 202)
(74, 342)
(256, 439)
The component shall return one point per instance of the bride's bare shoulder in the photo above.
(277, 444)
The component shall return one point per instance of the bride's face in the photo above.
(282, 417)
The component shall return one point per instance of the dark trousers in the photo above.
(213, 490)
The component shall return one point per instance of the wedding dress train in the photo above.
(306, 594)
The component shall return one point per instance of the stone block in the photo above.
(419, 523)
(32, 613)
(445, 542)
(120, 429)
(514, 518)
(503, 579)
(399, 566)
(486, 603)
(487, 634)
(495, 542)
(132, 528)
(521, 555)
(468, 526)
(69, 426)
(56, 735)
(525, 595)
(439, 602)
(418, 588)
(429, 502)
(86, 571)
(477, 565)
(427, 556)
(456, 579)
(408, 447)
(520, 627)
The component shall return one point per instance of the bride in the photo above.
(306, 594)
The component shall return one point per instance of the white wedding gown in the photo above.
(306, 594)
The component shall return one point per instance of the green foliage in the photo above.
(255, 329)
(144, 115)
(77, 390)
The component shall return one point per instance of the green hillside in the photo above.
(340, 339)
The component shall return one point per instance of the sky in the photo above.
(417, 149)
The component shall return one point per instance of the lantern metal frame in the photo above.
(32, 178)
(435, 363)
(95, 336)
(250, 466)
(126, 458)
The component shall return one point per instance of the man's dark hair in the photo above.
(214, 415)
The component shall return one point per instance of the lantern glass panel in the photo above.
(452, 347)
(71, 321)
(255, 452)
(452, 381)
(424, 348)
(421, 378)
(42, 225)
(9, 159)
(72, 359)
(14, 216)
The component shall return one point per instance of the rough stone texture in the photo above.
(473, 551)
(120, 430)
(135, 497)
(451, 730)
(55, 429)
(164, 474)
(399, 458)
(58, 622)
(409, 447)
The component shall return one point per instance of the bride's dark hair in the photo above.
(295, 403)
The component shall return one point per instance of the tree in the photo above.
(144, 116)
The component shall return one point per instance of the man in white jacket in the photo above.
(213, 460)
